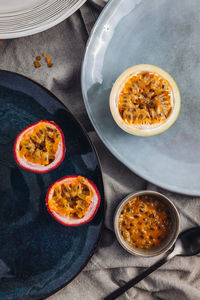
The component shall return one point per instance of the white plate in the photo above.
(21, 18)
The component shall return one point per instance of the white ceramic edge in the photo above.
(118, 86)
(130, 249)
(41, 28)
(171, 188)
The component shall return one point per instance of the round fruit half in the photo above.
(145, 100)
(73, 200)
(40, 147)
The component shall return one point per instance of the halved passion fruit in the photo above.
(40, 147)
(73, 200)
(145, 100)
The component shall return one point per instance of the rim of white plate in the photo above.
(36, 19)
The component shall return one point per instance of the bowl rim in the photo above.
(132, 250)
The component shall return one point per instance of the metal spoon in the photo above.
(187, 244)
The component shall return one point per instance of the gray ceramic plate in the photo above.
(163, 33)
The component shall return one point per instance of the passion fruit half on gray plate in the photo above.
(145, 100)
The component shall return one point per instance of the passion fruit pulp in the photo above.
(145, 100)
(40, 147)
(73, 200)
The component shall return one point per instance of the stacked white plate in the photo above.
(25, 17)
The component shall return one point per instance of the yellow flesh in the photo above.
(145, 99)
(40, 145)
(71, 199)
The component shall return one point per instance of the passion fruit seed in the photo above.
(71, 199)
(40, 145)
(145, 99)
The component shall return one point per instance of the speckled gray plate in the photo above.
(165, 33)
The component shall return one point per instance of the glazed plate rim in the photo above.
(100, 168)
(42, 27)
(96, 29)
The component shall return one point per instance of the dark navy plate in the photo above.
(38, 255)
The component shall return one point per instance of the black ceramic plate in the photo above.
(38, 255)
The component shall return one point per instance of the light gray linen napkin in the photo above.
(110, 266)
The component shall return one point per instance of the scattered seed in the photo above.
(36, 64)
(50, 65)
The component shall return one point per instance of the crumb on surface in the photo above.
(37, 64)
(40, 59)
(49, 63)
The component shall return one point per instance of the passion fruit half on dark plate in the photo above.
(40, 147)
(73, 200)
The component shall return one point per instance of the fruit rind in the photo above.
(92, 210)
(37, 168)
(117, 87)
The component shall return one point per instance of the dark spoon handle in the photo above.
(135, 280)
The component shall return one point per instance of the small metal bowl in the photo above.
(167, 242)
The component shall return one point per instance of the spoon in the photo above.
(187, 244)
